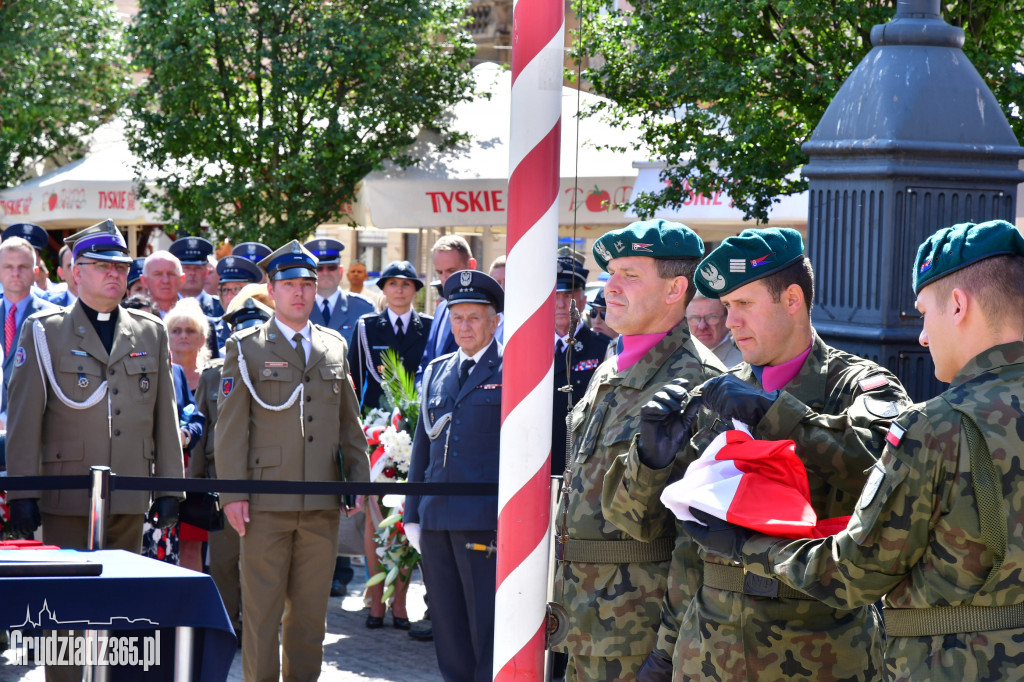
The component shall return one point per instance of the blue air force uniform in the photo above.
(457, 441)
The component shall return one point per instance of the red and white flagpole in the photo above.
(524, 476)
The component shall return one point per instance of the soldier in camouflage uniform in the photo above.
(718, 624)
(611, 585)
(936, 531)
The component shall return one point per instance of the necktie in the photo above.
(10, 326)
(445, 331)
(399, 330)
(300, 350)
(465, 369)
(326, 312)
(559, 346)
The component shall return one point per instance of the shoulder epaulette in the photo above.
(442, 357)
(142, 314)
(245, 333)
(329, 331)
(215, 363)
(48, 312)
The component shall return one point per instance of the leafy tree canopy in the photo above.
(261, 116)
(62, 73)
(728, 91)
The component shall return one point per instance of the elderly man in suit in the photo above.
(97, 390)
(335, 308)
(397, 327)
(17, 273)
(457, 441)
(287, 412)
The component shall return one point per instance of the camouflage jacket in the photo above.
(615, 608)
(915, 539)
(837, 409)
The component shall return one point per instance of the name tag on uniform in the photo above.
(275, 364)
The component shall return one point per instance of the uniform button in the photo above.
(458, 421)
(79, 368)
(117, 432)
(455, 438)
(307, 378)
(308, 398)
(309, 418)
(111, 372)
(309, 438)
(114, 391)
(58, 455)
(257, 460)
(275, 374)
(117, 410)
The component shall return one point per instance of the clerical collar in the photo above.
(96, 316)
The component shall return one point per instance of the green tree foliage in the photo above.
(261, 116)
(728, 91)
(62, 73)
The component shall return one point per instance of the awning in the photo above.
(713, 216)
(100, 185)
(468, 186)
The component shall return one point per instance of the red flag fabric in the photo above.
(761, 485)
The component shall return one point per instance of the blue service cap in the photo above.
(102, 241)
(473, 286)
(238, 269)
(291, 261)
(399, 269)
(254, 251)
(327, 251)
(571, 274)
(191, 250)
(249, 314)
(32, 233)
(135, 271)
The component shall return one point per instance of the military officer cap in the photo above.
(249, 314)
(473, 286)
(572, 253)
(327, 251)
(32, 233)
(238, 269)
(191, 250)
(135, 271)
(599, 301)
(747, 257)
(399, 269)
(102, 241)
(653, 238)
(953, 248)
(291, 261)
(254, 251)
(571, 274)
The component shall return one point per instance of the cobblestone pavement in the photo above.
(351, 652)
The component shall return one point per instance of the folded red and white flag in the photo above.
(761, 485)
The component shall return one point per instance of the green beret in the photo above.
(653, 238)
(749, 256)
(956, 247)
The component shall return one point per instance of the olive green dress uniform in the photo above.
(291, 541)
(132, 427)
(614, 605)
(915, 540)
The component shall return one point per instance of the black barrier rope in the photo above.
(202, 485)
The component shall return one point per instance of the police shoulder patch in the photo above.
(19, 357)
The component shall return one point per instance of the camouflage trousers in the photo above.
(602, 668)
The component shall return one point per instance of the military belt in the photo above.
(735, 579)
(614, 551)
(949, 620)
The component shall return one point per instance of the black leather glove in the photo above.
(718, 537)
(665, 424)
(164, 512)
(656, 668)
(25, 517)
(729, 397)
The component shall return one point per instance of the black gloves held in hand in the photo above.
(164, 512)
(25, 517)
(656, 668)
(718, 537)
(729, 397)
(666, 422)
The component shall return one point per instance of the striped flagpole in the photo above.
(524, 476)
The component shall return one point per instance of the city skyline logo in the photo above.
(47, 619)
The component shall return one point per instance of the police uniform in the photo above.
(587, 353)
(254, 251)
(343, 309)
(135, 271)
(280, 420)
(224, 543)
(610, 584)
(197, 251)
(233, 269)
(457, 441)
(837, 408)
(75, 405)
(375, 333)
(938, 509)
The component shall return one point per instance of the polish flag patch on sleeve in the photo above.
(895, 435)
(873, 382)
